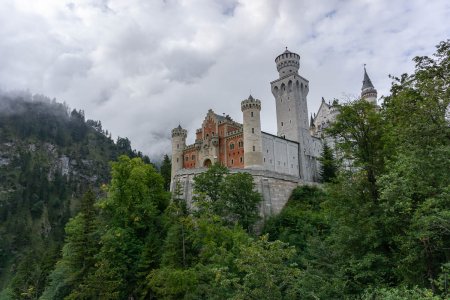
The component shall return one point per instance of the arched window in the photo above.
(232, 146)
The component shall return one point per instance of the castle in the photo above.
(279, 162)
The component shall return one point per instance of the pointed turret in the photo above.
(368, 91)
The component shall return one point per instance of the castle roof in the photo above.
(367, 83)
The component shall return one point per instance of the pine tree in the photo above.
(165, 171)
(328, 168)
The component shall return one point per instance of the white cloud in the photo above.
(142, 67)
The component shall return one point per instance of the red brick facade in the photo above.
(220, 139)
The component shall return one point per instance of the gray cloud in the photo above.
(142, 67)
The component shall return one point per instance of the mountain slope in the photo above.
(48, 159)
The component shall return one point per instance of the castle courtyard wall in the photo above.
(274, 187)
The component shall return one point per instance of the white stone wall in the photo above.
(280, 155)
(326, 115)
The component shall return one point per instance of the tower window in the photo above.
(281, 123)
(264, 159)
(251, 114)
(177, 159)
(253, 130)
(187, 158)
(178, 146)
(241, 159)
(231, 146)
(232, 161)
(253, 148)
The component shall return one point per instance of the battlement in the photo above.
(179, 132)
(250, 103)
(289, 61)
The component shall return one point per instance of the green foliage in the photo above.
(400, 293)
(52, 156)
(359, 132)
(238, 200)
(301, 218)
(207, 186)
(415, 189)
(230, 196)
(166, 169)
(328, 166)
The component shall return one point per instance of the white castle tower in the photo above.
(290, 91)
(368, 91)
(178, 144)
(251, 109)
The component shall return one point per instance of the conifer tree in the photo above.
(166, 169)
(328, 168)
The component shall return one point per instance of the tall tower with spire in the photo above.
(290, 91)
(368, 91)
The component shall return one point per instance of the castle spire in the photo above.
(368, 91)
(367, 83)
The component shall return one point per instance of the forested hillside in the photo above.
(49, 156)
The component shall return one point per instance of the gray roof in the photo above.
(367, 83)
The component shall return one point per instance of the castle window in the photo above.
(267, 150)
(253, 148)
(178, 146)
(187, 158)
(264, 159)
(251, 114)
(231, 146)
(253, 130)
(281, 123)
(241, 159)
(232, 161)
(177, 159)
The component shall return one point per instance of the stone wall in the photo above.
(280, 155)
(275, 188)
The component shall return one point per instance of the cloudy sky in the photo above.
(144, 66)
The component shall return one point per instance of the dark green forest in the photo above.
(49, 157)
(377, 227)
